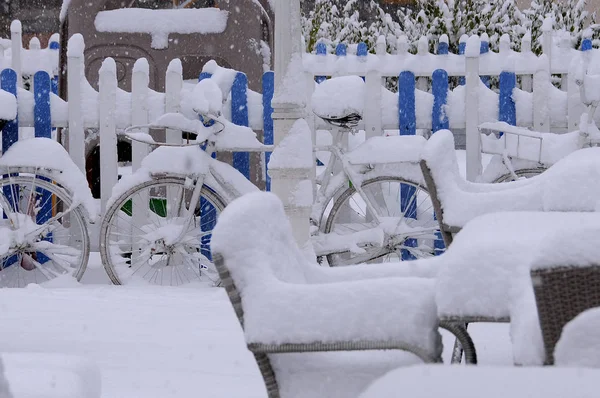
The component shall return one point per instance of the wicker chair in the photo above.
(252, 240)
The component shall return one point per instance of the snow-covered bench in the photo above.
(291, 308)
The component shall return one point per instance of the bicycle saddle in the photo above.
(349, 121)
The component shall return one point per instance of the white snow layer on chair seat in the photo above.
(485, 271)
(582, 250)
(51, 376)
(8, 105)
(569, 185)
(287, 300)
(579, 343)
(426, 381)
(49, 156)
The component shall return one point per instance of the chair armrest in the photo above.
(394, 309)
(417, 269)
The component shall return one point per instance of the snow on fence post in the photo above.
(443, 45)
(139, 108)
(423, 50)
(10, 132)
(16, 35)
(268, 89)
(407, 117)
(173, 86)
(507, 109)
(472, 79)
(373, 106)
(107, 99)
(526, 80)
(239, 116)
(76, 137)
(575, 106)
(541, 88)
(322, 51)
(547, 39)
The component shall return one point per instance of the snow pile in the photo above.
(582, 251)
(207, 98)
(339, 97)
(8, 106)
(427, 381)
(160, 23)
(579, 344)
(390, 149)
(295, 150)
(51, 376)
(50, 158)
(284, 295)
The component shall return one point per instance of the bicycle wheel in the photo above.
(410, 228)
(144, 237)
(521, 173)
(39, 241)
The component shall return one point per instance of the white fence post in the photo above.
(526, 80)
(541, 92)
(76, 137)
(173, 85)
(16, 39)
(547, 40)
(472, 108)
(108, 135)
(139, 108)
(373, 113)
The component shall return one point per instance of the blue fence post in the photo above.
(54, 46)
(508, 111)
(321, 51)
(341, 50)
(10, 135)
(443, 47)
(361, 52)
(239, 116)
(439, 121)
(407, 118)
(208, 218)
(462, 46)
(268, 89)
(484, 49)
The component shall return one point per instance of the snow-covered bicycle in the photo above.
(371, 205)
(45, 205)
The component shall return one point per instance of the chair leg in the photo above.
(463, 344)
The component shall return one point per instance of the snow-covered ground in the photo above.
(152, 342)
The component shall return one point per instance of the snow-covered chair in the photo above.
(292, 310)
(497, 243)
(567, 283)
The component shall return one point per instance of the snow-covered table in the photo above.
(37, 375)
(426, 381)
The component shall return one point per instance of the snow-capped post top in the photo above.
(473, 47)
(504, 43)
(34, 44)
(381, 45)
(15, 26)
(444, 39)
(423, 47)
(547, 24)
(402, 44)
(141, 65)
(463, 38)
(76, 46)
(175, 66)
(526, 42)
(108, 66)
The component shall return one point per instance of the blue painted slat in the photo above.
(42, 87)
(461, 51)
(10, 135)
(239, 116)
(439, 88)
(484, 49)
(268, 89)
(408, 126)
(507, 109)
(341, 50)
(321, 50)
(586, 45)
(54, 45)
(442, 48)
(362, 50)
